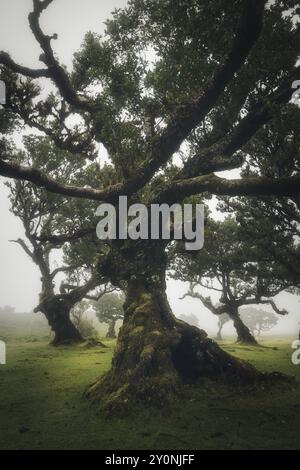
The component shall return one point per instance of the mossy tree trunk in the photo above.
(111, 333)
(156, 353)
(243, 333)
(57, 313)
(56, 310)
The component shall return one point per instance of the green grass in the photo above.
(41, 405)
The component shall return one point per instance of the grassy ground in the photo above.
(41, 405)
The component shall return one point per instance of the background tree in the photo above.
(258, 320)
(109, 310)
(83, 324)
(273, 222)
(223, 318)
(213, 82)
(41, 213)
(233, 266)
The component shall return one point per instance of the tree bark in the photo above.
(111, 333)
(243, 333)
(157, 354)
(57, 313)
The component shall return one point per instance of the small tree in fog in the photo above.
(256, 320)
(109, 309)
(233, 266)
(83, 324)
(222, 320)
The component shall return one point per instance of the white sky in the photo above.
(71, 19)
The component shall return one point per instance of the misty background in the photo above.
(19, 277)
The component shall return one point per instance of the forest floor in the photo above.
(42, 404)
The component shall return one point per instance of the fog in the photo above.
(19, 278)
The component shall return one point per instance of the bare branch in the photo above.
(106, 290)
(274, 307)
(252, 186)
(6, 60)
(206, 301)
(27, 250)
(265, 302)
(63, 269)
(54, 70)
(81, 233)
(35, 176)
(78, 293)
(57, 73)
